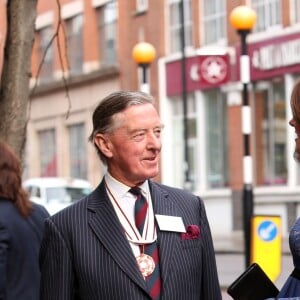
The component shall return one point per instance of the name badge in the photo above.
(170, 223)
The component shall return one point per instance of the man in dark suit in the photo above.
(131, 238)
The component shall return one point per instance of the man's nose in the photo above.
(154, 141)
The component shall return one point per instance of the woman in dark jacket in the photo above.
(291, 287)
(21, 229)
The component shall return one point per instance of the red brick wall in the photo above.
(90, 34)
(235, 147)
(134, 28)
(285, 10)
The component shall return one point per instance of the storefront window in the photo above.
(270, 135)
(216, 139)
(207, 138)
(178, 141)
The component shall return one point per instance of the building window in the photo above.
(75, 43)
(214, 21)
(296, 11)
(268, 14)
(175, 24)
(270, 135)
(216, 139)
(47, 145)
(78, 162)
(107, 28)
(141, 5)
(45, 54)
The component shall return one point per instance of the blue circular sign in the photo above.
(267, 231)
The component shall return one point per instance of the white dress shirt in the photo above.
(123, 202)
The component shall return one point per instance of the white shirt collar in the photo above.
(120, 189)
(123, 203)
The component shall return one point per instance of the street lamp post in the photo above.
(143, 54)
(187, 181)
(243, 18)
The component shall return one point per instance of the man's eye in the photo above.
(138, 136)
(157, 132)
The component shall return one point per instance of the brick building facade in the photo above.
(96, 38)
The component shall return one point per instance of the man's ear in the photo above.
(103, 143)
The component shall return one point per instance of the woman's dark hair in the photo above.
(295, 102)
(11, 180)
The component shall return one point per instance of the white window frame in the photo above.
(142, 5)
(295, 11)
(268, 20)
(106, 25)
(188, 26)
(47, 150)
(74, 131)
(72, 9)
(97, 3)
(44, 20)
(215, 17)
(76, 64)
(44, 39)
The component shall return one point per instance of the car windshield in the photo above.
(66, 194)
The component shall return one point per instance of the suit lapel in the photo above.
(106, 226)
(163, 205)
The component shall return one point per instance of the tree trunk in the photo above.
(14, 89)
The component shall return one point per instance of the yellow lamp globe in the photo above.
(143, 53)
(242, 17)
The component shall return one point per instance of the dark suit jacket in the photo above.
(20, 240)
(86, 255)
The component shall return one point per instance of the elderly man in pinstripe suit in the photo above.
(95, 250)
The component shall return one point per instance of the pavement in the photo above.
(234, 243)
(230, 260)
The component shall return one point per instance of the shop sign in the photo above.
(266, 244)
(202, 72)
(275, 57)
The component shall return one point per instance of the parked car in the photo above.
(56, 193)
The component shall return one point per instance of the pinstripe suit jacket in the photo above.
(86, 255)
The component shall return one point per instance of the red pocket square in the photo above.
(192, 233)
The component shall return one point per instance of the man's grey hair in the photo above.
(116, 102)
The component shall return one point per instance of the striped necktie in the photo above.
(140, 211)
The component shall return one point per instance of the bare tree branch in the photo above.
(59, 47)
